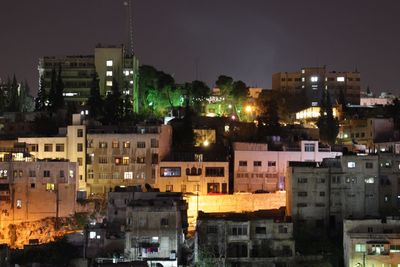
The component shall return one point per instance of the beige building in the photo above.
(77, 73)
(70, 145)
(366, 131)
(259, 238)
(125, 159)
(256, 168)
(372, 242)
(195, 174)
(313, 81)
(34, 190)
(323, 194)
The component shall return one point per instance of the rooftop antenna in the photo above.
(128, 4)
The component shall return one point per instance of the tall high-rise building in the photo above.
(110, 63)
(312, 82)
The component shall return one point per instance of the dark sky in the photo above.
(246, 39)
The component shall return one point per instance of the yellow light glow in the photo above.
(206, 143)
(248, 108)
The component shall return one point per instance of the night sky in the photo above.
(246, 39)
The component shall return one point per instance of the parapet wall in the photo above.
(233, 203)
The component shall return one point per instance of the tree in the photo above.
(95, 101)
(198, 92)
(41, 99)
(225, 84)
(13, 96)
(59, 90)
(53, 91)
(327, 124)
(113, 105)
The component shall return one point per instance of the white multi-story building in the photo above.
(258, 168)
(71, 146)
(322, 194)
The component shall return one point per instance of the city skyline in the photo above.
(249, 42)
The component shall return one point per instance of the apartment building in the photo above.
(77, 73)
(323, 194)
(195, 173)
(69, 145)
(372, 242)
(156, 228)
(259, 238)
(256, 168)
(313, 80)
(26, 185)
(125, 158)
(366, 131)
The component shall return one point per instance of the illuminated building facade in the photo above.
(259, 238)
(128, 158)
(70, 145)
(77, 73)
(156, 228)
(321, 195)
(312, 81)
(26, 185)
(197, 177)
(258, 169)
(371, 242)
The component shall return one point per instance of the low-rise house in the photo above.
(259, 238)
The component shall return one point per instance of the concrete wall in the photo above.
(233, 203)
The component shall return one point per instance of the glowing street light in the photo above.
(248, 108)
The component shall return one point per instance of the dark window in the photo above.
(60, 147)
(261, 230)
(46, 173)
(212, 229)
(257, 163)
(164, 222)
(242, 163)
(215, 171)
(237, 250)
(79, 133)
(369, 165)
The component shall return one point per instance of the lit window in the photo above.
(314, 104)
(351, 164)
(109, 73)
(128, 175)
(314, 79)
(50, 186)
(360, 248)
(109, 63)
(340, 79)
(126, 72)
(109, 83)
(369, 180)
(131, 82)
(92, 235)
(303, 71)
(303, 79)
(19, 203)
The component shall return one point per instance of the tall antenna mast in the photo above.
(129, 6)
